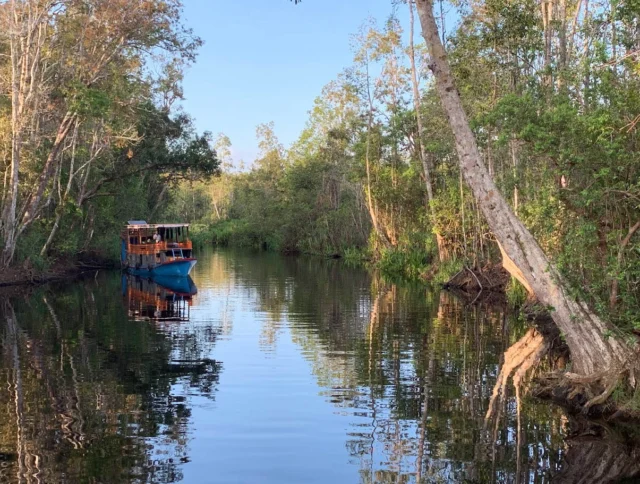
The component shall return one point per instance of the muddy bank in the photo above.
(59, 269)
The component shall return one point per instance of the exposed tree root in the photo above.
(518, 361)
(591, 394)
(598, 387)
(586, 394)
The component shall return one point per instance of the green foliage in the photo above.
(355, 257)
(446, 270)
(516, 293)
(92, 119)
(28, 251)
(406, 265)
(201, 235)
(303, 202)
(88, 101)
(556, 121)
(132, 186)
(237, 233)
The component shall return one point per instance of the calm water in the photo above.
(289, 370)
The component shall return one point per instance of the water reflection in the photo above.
(160, 298)
(330, 374)
(410, 370)
(88, 396)
(593, 457)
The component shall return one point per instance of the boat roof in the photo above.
(141, 224)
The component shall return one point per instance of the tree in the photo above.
(70, 63)
(590, 339)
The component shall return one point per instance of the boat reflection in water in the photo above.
(159, 298)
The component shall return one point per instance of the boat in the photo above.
(156, 249)
(161, 298)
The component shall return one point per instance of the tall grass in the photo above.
(516, 293)
(410, 265)
(446, 270)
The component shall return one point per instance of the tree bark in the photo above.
(9, 212)
(587, 336)
(513, 269)
(63, 198)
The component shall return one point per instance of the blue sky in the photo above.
(266, 60)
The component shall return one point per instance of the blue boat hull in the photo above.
(177, 268)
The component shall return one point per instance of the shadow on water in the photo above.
(89, 394)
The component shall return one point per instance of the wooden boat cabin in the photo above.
(157, 249)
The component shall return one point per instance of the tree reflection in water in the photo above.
(414, 370)
(88, 395)
(595, 455)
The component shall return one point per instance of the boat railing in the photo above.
(155, 247)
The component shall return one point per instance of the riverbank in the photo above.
(489, 281)
(56, 270)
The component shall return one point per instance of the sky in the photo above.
(267, 60)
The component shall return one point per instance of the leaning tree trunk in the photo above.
(588, 337)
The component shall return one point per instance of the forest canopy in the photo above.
(88, 127)
(551, 93)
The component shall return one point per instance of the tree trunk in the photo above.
(513, 269)
(54, 231)
(63, 199)
(547, 7)
(26, 27)
(513, 144)
(33, 206)
(9, 212)
(370, 205)
(443, 253)
(155, 208)
(587, 335)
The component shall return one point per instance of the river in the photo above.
(279, 370)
